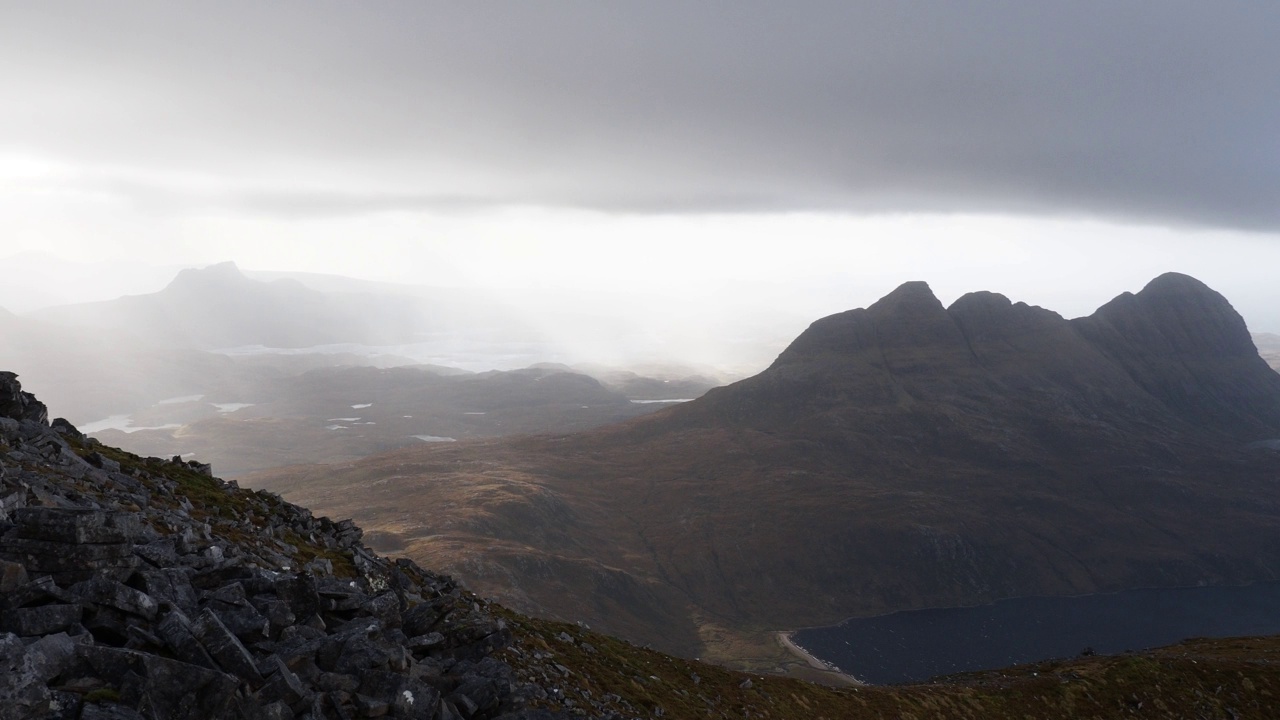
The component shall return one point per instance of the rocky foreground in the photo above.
(139, 588)
(135, 588)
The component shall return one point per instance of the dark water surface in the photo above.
(919, 644)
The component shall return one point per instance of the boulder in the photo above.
(225, 648)
(19, 405)
(76, 525)
(12, 576)
(104, 591)
(42, 620)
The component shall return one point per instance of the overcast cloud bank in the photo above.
(1148, 111)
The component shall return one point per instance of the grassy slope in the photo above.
(691, 537)
(1232, 678)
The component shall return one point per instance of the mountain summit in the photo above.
(1176, 352)
(1185, 345)
(905, 455)
(219, 277)
(219, 307)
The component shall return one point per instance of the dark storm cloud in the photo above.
(1161, 111)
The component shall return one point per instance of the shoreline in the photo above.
(784, 638)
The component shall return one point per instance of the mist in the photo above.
(670, 190)
(724, 292)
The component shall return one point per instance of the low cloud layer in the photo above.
(1145, 111)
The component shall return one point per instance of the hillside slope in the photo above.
(141, 588)
(901, 456)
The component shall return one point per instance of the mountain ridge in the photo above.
(903, 455)
(884, 336)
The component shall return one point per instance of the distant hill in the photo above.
(218, 307)
(1269, 341)
(328, 414)
(659, 386)
(1269, 348)
(901, 456)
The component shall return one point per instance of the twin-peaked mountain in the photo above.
(900, 456)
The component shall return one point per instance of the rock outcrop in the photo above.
(17, 405)
(149, 589)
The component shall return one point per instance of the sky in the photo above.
(712, 158)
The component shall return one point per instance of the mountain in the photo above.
(901, 456)
(223, 334)
(138, 588)
(126, 372)
(218, 307)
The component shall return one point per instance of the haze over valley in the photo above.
(253, 374)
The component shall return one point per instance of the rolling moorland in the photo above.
(334, 414)
(137, 587)
(901, 456)
(160, 374)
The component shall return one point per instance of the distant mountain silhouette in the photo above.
(1176, 352)
(218, 307)
(904, 455)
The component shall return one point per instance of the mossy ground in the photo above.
(1231, 678)
(231, 511)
